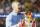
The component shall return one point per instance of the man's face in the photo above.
(19, 6)
(16, 6)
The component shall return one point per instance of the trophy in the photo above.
(28, 21)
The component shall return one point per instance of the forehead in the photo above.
(15, 4)
(19, 3)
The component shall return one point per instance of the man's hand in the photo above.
(19, 24)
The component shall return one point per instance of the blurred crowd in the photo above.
(32, 6)
(26, 5)
(5, 6)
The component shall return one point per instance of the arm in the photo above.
(22, 16)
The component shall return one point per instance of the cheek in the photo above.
(19, 6)
(17, 9)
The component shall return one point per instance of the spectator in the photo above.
(7, 9)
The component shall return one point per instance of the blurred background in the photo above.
(27, 5)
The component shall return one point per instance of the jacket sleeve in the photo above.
(22, 16)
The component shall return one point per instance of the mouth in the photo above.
(19, 9)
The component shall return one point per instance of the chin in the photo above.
(19, 10)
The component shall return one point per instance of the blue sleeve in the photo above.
(22, 16)
(14, 20)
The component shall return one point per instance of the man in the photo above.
(13, 18)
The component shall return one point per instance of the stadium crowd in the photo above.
(27, 5)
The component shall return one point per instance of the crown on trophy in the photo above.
(28, 15)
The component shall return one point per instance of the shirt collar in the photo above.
(14, 12)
